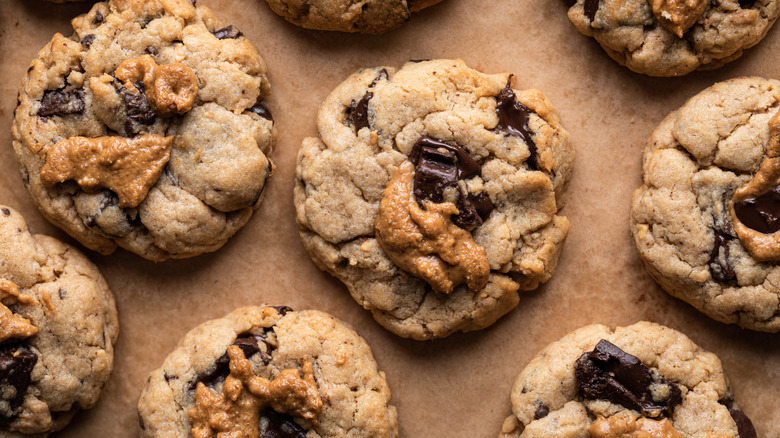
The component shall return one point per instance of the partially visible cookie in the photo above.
(58, 325)
(705, 222)
(674, 37)
(146, 129)
(270, 372)
(433, 193)
(639, 381)
(364, 16)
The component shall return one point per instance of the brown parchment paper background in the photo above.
(459, 386)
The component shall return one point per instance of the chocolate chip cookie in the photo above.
(364, 16)
(674, 37)
(705, 222)
(270, 372)
(433, 192)
(146, 129)
(640, 381)
(58, 325)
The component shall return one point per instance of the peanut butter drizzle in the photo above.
(763, 247)
(426, 243)
(170, 88)
(236, 411)
(627, 426)
(678, 16)
(128, 166)
(13, 326)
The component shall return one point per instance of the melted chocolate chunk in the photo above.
(439, 166)
(61, 102)
(591, 7)
(359, 112)
(513, 119)
(261, 110)
(6, 212)
(229, 32)
(276, 425)
(609, 373)
(541, 412)
(720, 267)
(744, 425)
(746, 4)
(98, 18)
(139, 111)
(283, 310)
(761, 213)
(88, 40)
(16, 364)
(151, 50)
(249, 344)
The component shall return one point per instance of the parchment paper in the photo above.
(459, 386)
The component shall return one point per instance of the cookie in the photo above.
(146, 129)
(674, 37)
(705, 220)
(640, 381)
(58, 326)
(433, 192)
(270, 371)
(363, 16)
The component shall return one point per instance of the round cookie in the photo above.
(146, 129)
(674, 37)
(272, 370)
(641, 380)
(57, 331)
(704, 222)
(363, 16)
(433, 193)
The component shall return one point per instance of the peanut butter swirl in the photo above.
(170, 88)
(14, 326)
(425, 242)
(678, 16)
(236, 411)
(627, 426)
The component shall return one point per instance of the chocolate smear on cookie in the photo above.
(513, 119)
(276, 425)
(609, 373)
(438, 167)
(62, 102)
(16, 364)
(720, 267)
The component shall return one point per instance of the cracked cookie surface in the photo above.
(275, 341)
(683, 218)
(639, 33)
(165, 73)
(580, 386)
(490, 160)
(62, 364)
(363, 16)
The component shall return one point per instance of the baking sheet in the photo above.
(458, 386)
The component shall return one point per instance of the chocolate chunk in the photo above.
(746, 4)
(249, 344)
(609, 373)
(151, 50)
(16, 364)
(229, 32)
(98, 18)
(139, 111)
(276, 425)
(283, 310)
(61, 102)
(513, 119)
(591, 7)
(261, 110)
(744, 425)
(6, 212)
(720, 267)
(439, 166)
(541, 412)
(88, 39)
(761, 213)
(359, 111)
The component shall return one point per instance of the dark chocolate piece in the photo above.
(720, 267)
(283, 310)
(6, 212)
(16, 363)
(761, 213)
(139, 111)
(276, 425)
(61, 102)
(746, 4)
(513, 119)
(744, 425)
(230, 32)
(359, 111)
(88, 40)
(591, 7)
(249, 344)
(609, 373)
(261, 110)
(151, 50)
(98, 18)
(438, 166)
(541, 412)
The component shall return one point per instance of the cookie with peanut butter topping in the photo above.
(674, 37)
(58, 327)
(433, 193)
(268, 372)
(640, 381)
(146, 129)
(706, 222)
